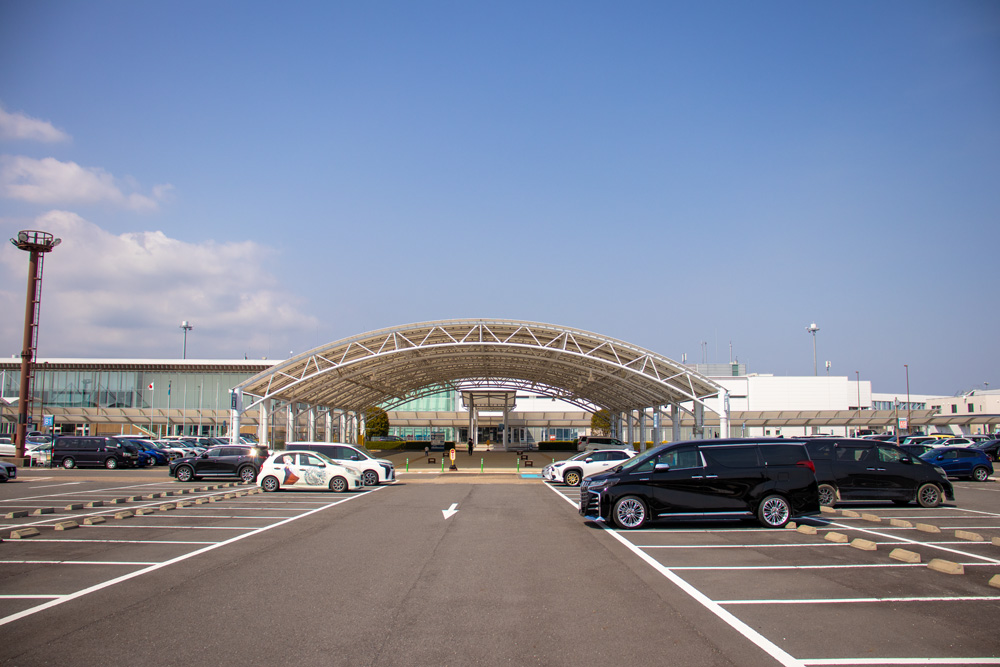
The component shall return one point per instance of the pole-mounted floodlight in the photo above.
(812, 328)
(36, 244)
(187, 327)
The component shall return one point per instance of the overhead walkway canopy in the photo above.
(390, 367)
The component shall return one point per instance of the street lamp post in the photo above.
(812, 328)
(187, 327)
(36, 244)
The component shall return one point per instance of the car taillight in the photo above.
(807, 464)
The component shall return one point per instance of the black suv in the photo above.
(71, 451)
(770, 479)
(863, 469)
(225, 461)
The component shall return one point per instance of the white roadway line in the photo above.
(909, 541)
(968, 598)
(758, 639)
(820, 662)
(131, 575)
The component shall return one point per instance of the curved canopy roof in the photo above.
(391, 366)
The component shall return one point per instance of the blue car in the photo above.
(961, 462)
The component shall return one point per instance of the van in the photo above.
(771, 479)
(71, 451)
(859, 469)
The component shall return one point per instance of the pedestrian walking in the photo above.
(470, 446)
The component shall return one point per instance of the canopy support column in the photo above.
(675, 422)
(264, 415)
(235, 411)
(699, 421)
(311, 424)
(328, 425)
(642, 430)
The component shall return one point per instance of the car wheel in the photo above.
(184, 473)
(929, 495)
(68, 463)
(827, 495)
(111, 463)
(980, 474)
(248, 474)
(630, 512)
(369, 478)
(270, 483)
(338, 484)
(572, 477)
(774, 512)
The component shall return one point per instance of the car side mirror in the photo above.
(205, 455)
(588, 460)
(355, 458)
(662, 467)
(906, 459)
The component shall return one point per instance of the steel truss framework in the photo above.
(392, 366)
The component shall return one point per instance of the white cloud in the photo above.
(125, 296)
(20, 126)
(50, 182)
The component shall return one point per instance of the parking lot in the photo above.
(467, 568)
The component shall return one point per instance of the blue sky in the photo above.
(288, 174)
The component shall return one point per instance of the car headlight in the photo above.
(559, 465)
(941, 471)
(353, 471)
(598, 484)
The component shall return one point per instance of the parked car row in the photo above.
(772, 479)
(331, 465)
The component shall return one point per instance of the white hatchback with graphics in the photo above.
(307, 470)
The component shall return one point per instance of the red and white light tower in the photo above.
(36, 244)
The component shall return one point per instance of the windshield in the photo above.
(641, 458)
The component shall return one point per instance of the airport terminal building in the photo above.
(170, 397)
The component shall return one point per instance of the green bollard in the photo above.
(481, 461)
(518, 464)
(407, 465)
(442, 464)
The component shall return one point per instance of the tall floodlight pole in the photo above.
(36, 244)
(812, 328)
(187, 327)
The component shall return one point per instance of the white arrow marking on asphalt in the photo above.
(451, 511)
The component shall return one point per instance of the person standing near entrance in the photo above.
(470, 446)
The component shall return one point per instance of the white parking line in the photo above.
(75, 562)
(814, 567)
(36, 540)
(970, 598)
(758, 639)
(131, 575)
(909, 541)
(820, 662)
(30, 597)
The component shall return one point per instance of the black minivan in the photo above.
(71, 451)
(863, 469)
(768, 478)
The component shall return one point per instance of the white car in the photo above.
(307, 470)
(373, 471)
(573, 470)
